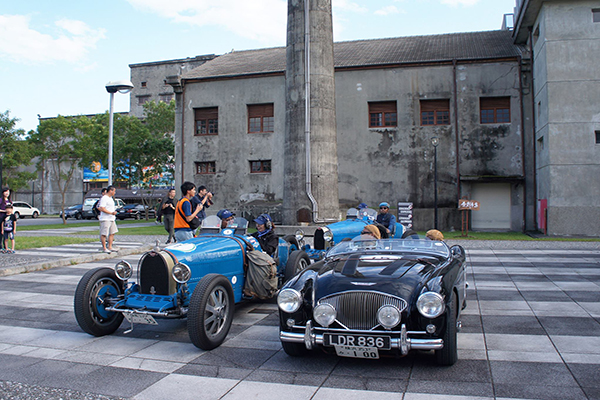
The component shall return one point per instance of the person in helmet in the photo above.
(387, 219)
(226, 216)
(265, 234)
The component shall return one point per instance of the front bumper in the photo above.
(400, 340)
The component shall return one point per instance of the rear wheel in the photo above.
(77, 216)
(448, 355)
(94, 288)
(297, 262)
(17, 215)
(211, 312)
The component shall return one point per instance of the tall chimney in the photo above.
(310, 132)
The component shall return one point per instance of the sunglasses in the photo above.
(383, 208)
(366, 233)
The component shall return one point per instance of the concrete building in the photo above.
(564, 37)
(392, 96)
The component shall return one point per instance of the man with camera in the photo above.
(204, 198)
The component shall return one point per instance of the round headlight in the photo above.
(388, 316)
(181, 273)
(123, 270)
(324, 314)
(299, 235)
(430, 304)
(289, 300)
(327, 234)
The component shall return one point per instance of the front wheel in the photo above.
(94, 290)
(291, 239)
(35, 214)
(297, 262)
(448, 355)
(211, 312)
(294, 349)
(78, 216)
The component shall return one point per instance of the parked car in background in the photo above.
(72, 212)
(369, 298)
(87, 211)
(22, 209)
(135, 211)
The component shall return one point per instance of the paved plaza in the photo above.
(531, 330)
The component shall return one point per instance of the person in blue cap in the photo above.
(386, 219)
(226, 216)
(265, 234)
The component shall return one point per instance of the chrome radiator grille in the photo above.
(358, 309)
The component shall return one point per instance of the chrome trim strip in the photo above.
(152, 313)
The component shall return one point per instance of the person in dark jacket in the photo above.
(386, 219)
(265, 234)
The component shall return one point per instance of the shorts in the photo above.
(9, 235)
(108, 228)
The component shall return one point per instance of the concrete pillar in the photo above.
(323, 131)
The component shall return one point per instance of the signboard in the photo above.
(466, 204)
(405, 214)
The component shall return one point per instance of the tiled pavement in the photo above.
(531, 330)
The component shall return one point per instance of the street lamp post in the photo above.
(112, 88)
(435, 142)
(1, 157)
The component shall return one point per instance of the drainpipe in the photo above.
(534, 141)
(456, 129)
(524, 170)
(315, 206)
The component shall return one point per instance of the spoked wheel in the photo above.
(211, 312)
(448, 355)
(297, 262)
(93, 291)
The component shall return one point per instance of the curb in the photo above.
(21, 269)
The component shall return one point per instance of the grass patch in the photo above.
(94, 223)
(32, 242)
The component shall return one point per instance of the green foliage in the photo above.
(16, 152)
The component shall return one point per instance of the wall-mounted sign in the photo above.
(405, 214)
(466, 204)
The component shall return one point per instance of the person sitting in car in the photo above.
(265, 234)
(226, 216)
(371, 231)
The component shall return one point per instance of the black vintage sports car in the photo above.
(369, 297)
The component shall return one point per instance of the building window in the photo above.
(435, 112)
(144, 84)
(597, 137)
(260, 118)
(596, 14)
(166, 97)
(260, 166)
(495, 110)
(382, 113)
(206, 168)
(143, 100)
(207, 121)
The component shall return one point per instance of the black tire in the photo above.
(89, 311)
(291, 239)
(35, 214)
(297, 261)
(448, 355)
(294, 349)
(211, 312)
(77, 216)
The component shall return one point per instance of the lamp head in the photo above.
(435, 141)
(119, 86)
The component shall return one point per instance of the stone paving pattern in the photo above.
(531, 330)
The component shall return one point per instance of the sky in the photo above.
(57, 56)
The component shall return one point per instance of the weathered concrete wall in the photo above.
(567, 91)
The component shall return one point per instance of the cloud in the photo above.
(22, 44)
(388, 10)
(261, 20)
(456, 3)
(347, 5)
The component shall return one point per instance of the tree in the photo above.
(65, 145)
(16, 153)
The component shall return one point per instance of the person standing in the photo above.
(386, 219)
(107, 217)
(8, 226)
(167, 213)
(204, 198)
(4, 201)
(184, 213)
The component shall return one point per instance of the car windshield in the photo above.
(389, 246)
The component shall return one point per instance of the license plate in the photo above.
(379, 342)
(357, 352)
(136, 318)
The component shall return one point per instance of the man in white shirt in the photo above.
(107, 217)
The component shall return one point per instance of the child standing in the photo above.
(9, 228)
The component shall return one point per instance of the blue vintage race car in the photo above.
(330, 235)
(201, 278)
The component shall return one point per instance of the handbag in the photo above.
(194, 223)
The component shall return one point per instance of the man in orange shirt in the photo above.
(184, 213)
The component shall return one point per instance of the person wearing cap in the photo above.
(386, 219)
(226, 216)
(265, 234)
(371, 230)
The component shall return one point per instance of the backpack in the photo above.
(95, 207)
(261, 276)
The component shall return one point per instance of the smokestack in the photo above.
(310, 191)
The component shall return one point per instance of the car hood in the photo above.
(400, 277)
(208, 248)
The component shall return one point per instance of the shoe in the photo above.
(106, 251)
(115, 249)
(168, 242)
(12, 252)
